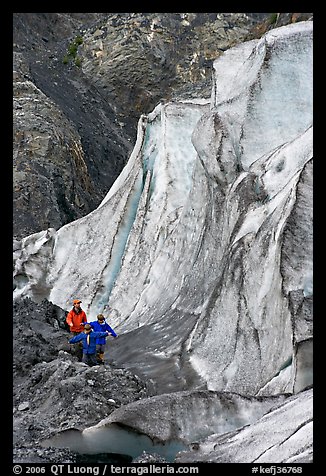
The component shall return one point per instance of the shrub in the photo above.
(78, 61)
(273, 18)
(72, 52)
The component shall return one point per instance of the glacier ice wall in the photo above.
(284, 435)
(201, 252)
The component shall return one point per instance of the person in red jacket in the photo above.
(76, 319)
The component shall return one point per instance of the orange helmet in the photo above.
(76, 301)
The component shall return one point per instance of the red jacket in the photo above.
(74, 320)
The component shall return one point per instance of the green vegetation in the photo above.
(79, 40)
(272, 18)
(72, 52)
(78, 62)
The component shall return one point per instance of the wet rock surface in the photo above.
(149, 458)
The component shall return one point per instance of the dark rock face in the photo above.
(37, 30)
(58, 175)
(37, 333)
(274, 20)
(54, 392)
(68, 149)
(51, 180)
(139, 59)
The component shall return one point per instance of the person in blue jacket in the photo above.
(99, 326)
(88, 338)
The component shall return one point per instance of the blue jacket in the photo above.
(91, 347)
(100, 328)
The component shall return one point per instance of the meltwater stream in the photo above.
(114, 442)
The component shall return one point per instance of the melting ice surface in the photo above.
(113, 440)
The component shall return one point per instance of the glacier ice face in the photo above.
(201, 250)
(282, 435)
(263, 90)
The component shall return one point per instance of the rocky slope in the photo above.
(52, 391)
(66, 412)
(68, 148)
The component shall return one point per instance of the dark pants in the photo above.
(100, 353)
(90, 359)
(77, 349)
